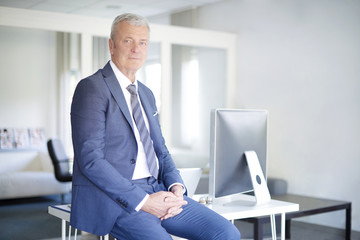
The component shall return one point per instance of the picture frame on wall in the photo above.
(7, 138)
(37, 138)
(21, 138)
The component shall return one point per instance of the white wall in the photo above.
(27, 78)
(300, 60)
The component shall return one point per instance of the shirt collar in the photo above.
(123, 80)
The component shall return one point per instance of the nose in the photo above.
(135, 48)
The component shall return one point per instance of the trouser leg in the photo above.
(139, 226)
(199, 222)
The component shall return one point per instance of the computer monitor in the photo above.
(236, 133)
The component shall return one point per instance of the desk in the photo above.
(241, 209)
(232, 211)
(63, 212)
(308, 206)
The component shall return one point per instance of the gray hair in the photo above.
(130, 18)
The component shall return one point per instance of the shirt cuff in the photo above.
(177, 184)
(139, 206)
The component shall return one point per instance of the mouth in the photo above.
(134, 58)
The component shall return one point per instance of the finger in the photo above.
(172, 210)
(175, 211)
(164, 194)
(172, 214)
(176, 204)
(173, 199)
(168, 214)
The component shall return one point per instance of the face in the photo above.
(129, 48)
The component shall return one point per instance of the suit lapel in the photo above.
(115, 89)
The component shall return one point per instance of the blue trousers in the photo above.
(195, 222)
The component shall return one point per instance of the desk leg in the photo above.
(273, 226)
(348, 223)
(258, 230)
(287, 228)
(63, 229)
(283, 226)
(69, 232)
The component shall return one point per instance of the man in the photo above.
(125, 182)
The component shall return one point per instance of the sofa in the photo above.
(28, 174)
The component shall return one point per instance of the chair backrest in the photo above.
(60, 160)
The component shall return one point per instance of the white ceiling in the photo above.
(107, 8)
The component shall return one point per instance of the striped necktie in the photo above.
(143, 131)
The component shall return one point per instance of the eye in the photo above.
(127, 41)
(143, 43)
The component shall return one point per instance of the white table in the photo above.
(244, 207)
(231, 211)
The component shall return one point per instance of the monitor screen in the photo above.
(232, 133)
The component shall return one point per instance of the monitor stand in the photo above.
(261, 190)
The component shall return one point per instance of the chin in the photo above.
(134, 67)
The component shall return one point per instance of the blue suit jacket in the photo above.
(105, 152)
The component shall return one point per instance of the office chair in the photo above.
(60, 160)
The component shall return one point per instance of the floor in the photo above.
(299, 231)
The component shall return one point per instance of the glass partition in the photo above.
(101, 53)
(198, 85)
(150, 73)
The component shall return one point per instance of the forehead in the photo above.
(125, 29)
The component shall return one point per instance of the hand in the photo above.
(163, 205)
(178, 191)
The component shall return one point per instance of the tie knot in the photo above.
(132, 89)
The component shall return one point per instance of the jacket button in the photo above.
(132, 161)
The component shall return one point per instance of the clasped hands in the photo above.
(165, 205)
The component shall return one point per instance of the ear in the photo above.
(111, 46)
